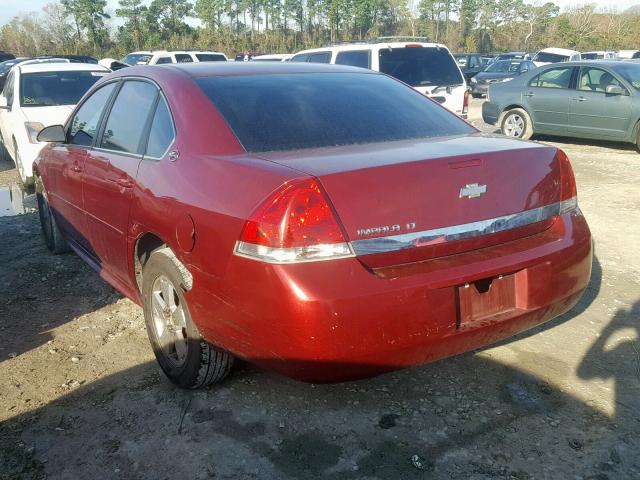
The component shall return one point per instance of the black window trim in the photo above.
(147, 130)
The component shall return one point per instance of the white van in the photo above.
(555, 55)
(428, 67)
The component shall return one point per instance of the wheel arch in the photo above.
(145, 245)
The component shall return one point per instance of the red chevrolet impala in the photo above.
(322, 221)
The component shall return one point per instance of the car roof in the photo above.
(61, 67)
(559, 51)
(365, 45)
(156, 52)
(229, 69)
(582, 63)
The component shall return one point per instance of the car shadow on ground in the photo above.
(465, 417)
(573, 142)
(40, 291)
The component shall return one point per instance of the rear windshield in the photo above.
(137, 59)
(47, 89)
(592, 56)
(420, 67)
(298, 111)
(550, 57)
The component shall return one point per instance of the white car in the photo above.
(555, 55)
(428, 67)
(628, 54)
(37, 95)
(273, 57)
(599, 55)
(157, 57)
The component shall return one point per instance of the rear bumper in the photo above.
(490, 113)
(336, 320)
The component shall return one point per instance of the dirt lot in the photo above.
(82, 397)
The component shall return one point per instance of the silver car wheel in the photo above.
(514, 125)
(169, 321)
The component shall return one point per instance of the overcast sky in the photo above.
(11, 8)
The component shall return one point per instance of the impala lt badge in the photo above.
(472, 190)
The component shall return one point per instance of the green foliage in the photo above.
(84, 26)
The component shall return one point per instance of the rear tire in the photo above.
(638, 137)
(517, 123)
(53, 238)
(184, 356)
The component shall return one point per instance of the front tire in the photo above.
(517, 123)
(184, 356)
(53, 238)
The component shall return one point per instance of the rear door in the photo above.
(592, 111)
(66, 163)
(546, 98)
(110, 173)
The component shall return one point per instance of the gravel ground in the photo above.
(82, 397)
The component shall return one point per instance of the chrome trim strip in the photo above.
(403, 241)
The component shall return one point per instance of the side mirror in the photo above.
(615, 90)
(53, 133)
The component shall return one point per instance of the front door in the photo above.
(546, 98)
(595, 113)
(110, 174)
(66, 165)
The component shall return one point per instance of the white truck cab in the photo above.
(428, 67)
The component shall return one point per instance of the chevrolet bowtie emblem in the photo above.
(472, 190)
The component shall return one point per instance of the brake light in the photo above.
(294, 224)
(568, 189)
(413, 45)
(465, 102)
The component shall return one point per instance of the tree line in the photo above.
(87, 27)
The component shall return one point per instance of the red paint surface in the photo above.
(337, 319)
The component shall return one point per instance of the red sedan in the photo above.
(322, 221)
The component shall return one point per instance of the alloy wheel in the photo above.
(514, 125)
(169, 321)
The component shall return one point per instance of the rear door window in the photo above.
(553, 78)
(183, 58)
(420, 66)
(210, 57)
(128, 117)
(355, 58)
(162, 131)
(303, 57)
(320, 57)
(162, 60)
(84, 126)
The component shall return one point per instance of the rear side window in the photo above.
(210, 57)
(84, 125)
(553, 78)
(287, 112)
(163, 60)
(128, 117)
(420, 66)
(355, 58)
(303, 57)
(162, 132)
(183, 58)
(320, 57)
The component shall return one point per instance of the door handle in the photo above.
(579, 99)
(529, 94)
(123, 182)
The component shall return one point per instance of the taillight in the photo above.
(465, 102)
(568, 190)
(294, 224)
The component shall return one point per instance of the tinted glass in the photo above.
(7, 90)
(630, 72)
(183, 58)
(320, 57)
(6, 66)
(137, 59)
(286, 112)
(355, 58)
(55, 88)
(553, 78)
(503, 66)
(420, 66)
(592, 56)
(163, 60)
(128, 117)
(303, 57)
(85, 122)
(210, 57)
(550, 57)
(162, 133)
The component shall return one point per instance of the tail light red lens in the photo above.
(294, 224)
(465, 102)
(568, 189)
